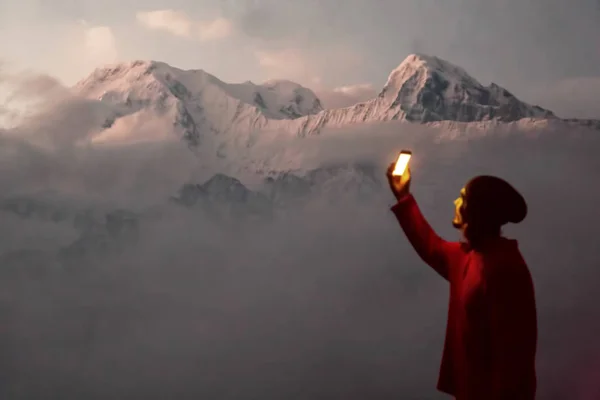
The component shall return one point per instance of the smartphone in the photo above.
(402, 162)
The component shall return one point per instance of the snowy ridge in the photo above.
(427, 89)
(139, 82)
(194, 102)
(199, 107)
(430, 89)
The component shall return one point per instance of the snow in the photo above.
(279, 99)
(204, 109)
(205, 102)
(420, 68)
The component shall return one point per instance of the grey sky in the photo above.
(545, 51)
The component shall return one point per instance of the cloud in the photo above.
(78, 47)
(287, 63)
(24, 94)
(27, 86)
(570, 98)
(215, 29)
(174, 22)
(334, 307)
(42, 108)
(346, 96)
(307, 68)
(179, 24)
(304, 65)
(100, 44)
(86, 48)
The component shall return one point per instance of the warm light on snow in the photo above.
(195, 102)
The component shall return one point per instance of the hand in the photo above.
(400, 185)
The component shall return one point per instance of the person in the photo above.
(491, 333)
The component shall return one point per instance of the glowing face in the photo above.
(459, 206)
(401, 164)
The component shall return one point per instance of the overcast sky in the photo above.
(544, 51)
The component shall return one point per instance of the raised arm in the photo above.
(429, 246)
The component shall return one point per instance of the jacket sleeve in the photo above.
(513, 333)
(429, 246)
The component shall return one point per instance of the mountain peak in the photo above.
(151, 80)
(427, 88)
(420, 67)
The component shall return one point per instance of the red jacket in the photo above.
(491, 334)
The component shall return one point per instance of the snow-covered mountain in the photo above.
(426, 89)
(194, 102)
(197, 106)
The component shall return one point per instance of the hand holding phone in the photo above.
(398, 175)
(401, 162)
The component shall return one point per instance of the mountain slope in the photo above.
(194, 102)
(200, 107)
(427, 89)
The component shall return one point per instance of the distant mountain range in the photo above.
(200, 108)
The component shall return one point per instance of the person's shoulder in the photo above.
(458, 251)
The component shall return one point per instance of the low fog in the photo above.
(323, 298)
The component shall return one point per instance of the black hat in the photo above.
(492, 200)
